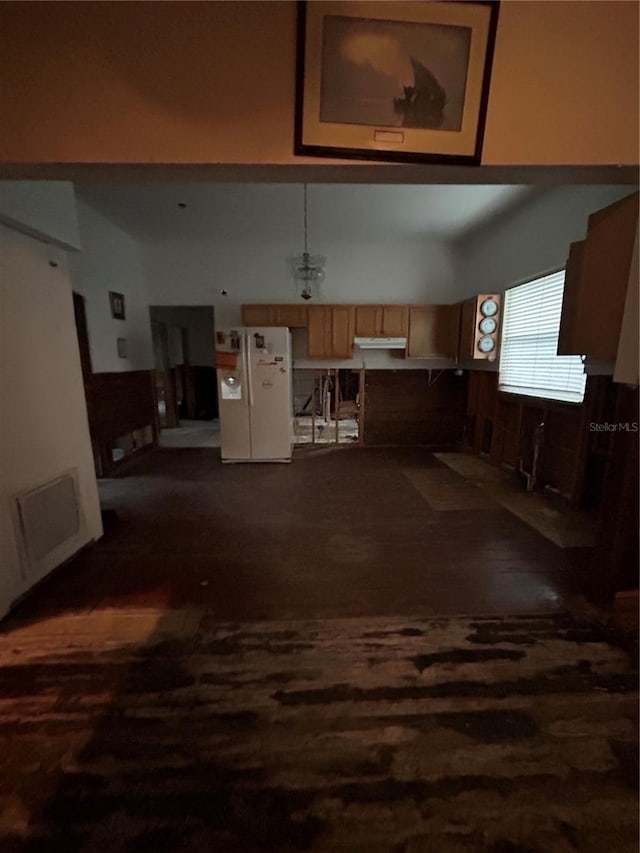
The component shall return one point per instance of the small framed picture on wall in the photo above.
(122, 348)
(116, 300)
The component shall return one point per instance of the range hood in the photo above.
(381, 343)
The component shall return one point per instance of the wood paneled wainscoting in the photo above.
(616, 563)
(507, 427)
(588, 453)
(423, 407)
(123, 418)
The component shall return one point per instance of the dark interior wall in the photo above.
(573, 456)
(560, 430)
(414, 407)
(198, 320)
(121, 407)
(589, 453)
(616, 562)
(190, 383)
(123, 404)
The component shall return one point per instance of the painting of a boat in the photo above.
(393, 74)
(424, 102)
(394, 80)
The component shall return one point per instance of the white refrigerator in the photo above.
(255, 394)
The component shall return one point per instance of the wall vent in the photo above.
(50, 524)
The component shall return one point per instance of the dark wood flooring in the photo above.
(185, 685)
(336, 533)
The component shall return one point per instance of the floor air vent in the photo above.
(50, 522)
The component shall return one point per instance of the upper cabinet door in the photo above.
(395, 321)
(293, 316)
(256, 315)
(381, 321)
(342, 325)
(433, 331)
(319, 330)
(331, 331)
(627, 367)
(567, 344)
(368, 321)
(608, 254)
(597, 288)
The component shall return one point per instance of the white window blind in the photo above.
(530, 325)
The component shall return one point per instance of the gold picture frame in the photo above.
(399, 81)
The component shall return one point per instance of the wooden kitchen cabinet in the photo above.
(470, 334)
(256, 315)
(627, 369)
(381, 321)
(331, 330)
(294, 316)
(433, 331)
(567, 345)
(596, 282)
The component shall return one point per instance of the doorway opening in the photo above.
(328, 406)
(185, 375)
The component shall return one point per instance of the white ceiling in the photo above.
(224, 211)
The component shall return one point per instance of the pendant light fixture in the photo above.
(308, 270)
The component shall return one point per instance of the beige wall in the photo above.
(204, 83)
(43, 428)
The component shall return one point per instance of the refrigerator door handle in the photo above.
(247, 366)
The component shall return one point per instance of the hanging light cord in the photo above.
(306, 251)
(309, 270)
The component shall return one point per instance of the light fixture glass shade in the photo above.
(308, 273)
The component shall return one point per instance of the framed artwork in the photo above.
(116, 300)
(122, 348)
(400, 81)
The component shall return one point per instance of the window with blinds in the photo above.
(530, 325)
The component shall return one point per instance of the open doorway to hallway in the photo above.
(185, 376)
